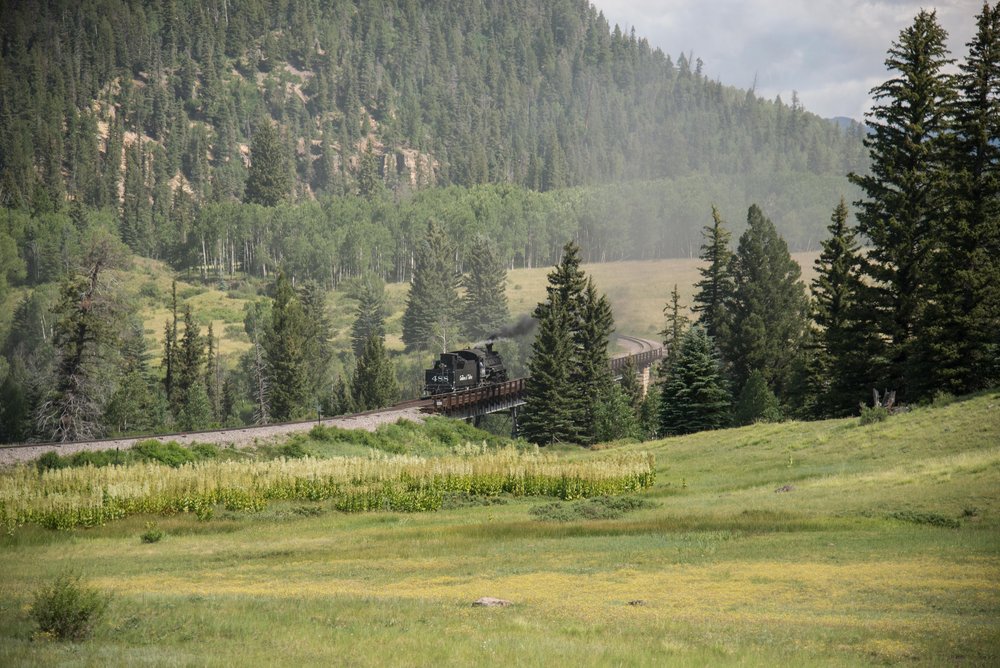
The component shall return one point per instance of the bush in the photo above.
(600, 508)
(873, 414)
(169, 453)
(152, 534)
(68, 610)
(931, 519)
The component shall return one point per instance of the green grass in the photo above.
(849, 566)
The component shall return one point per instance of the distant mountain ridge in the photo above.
(538, 93)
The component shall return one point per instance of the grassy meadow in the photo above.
(825, 543)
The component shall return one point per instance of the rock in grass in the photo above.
(490, 602)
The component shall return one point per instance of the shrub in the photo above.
(600, 508)
(68, 610)
(931, 519)
(152, 534)
(169, 453)
(873, 414)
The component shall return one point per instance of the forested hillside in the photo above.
(148, 112)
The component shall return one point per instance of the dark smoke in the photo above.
(525, 325)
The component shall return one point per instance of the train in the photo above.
(465, 369)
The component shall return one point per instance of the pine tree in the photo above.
(269, 181)
(84, 337)
(768, 306)
(374, 384)
(318, 331)
(615, 416)
(369, 316)
(484, 306)
(904, 192)
(841, 347)
(285, 352)
(756, 402)
(255, 323)
(430, 319)
(959, 351)
(695, 396)
(716, 284)
(672, 334)
(574, 326)
(591, 375)
(549, 415)
(189, 401)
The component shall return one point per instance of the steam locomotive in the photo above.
(464, 369)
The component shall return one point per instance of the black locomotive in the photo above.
(464, 369)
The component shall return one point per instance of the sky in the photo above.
(831, 52)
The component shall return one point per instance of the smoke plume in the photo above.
(525, 325)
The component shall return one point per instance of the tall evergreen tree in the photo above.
(285, 350)
(591, 374)
(672, 334)
(695, 395)
(430, 319)
(574, 327)
(716, 284)
(269, 181)
(768, 306)
(904, 199)
(369, 316)
(841, 345)
(374, 383)
(484, 306)
(255, 322)
(549, 414)
(84, 336)
(959, 351)
(318, 331)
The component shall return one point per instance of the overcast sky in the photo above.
(831, 51)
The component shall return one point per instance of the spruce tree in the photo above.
(841, 347)
(549, 414)
(959, 351)
(574, 326)
(591, 374)
(84, 337)
(694, 396)
(716, 284)
(374, 384)
(318, 330)
(484, 306)
(768, 306)
(369, 316)
(285, 350)
(269, 181)
(904, 192)
(677, 323)
(189, 401)
(756, 402)
(430, 319)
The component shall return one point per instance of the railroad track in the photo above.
(643, 350)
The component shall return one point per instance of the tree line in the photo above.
(906, 302)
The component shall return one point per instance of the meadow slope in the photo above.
(825, 543)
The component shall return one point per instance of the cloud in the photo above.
(830, 51)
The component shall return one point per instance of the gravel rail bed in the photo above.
(238, 437)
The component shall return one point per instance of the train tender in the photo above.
(465, 369)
